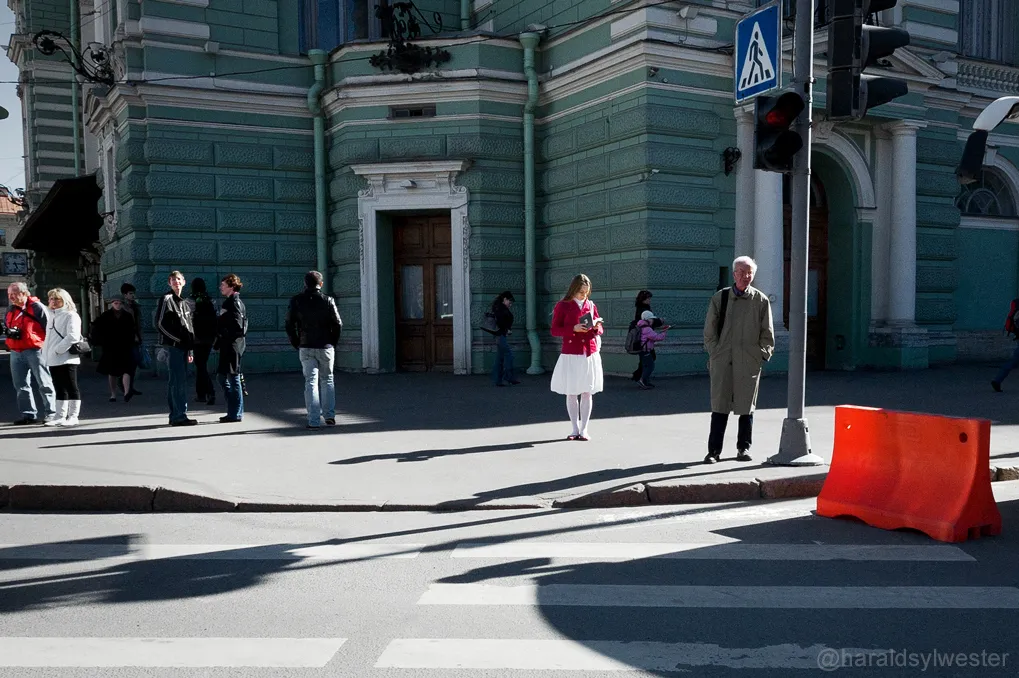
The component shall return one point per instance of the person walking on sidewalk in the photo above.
(739, 337)
(62, 334)
(176, 337)
(502, 371)
(231, 328)
(648, 338)
(313, 325)
(114, 333)
(203, 315)
(25, 324)
(641, 303)
(1012, 330)
(140, 354)
(578, 372)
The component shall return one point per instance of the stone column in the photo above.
(745, 178)
(880, 259)
(769, 249)
(902, 250)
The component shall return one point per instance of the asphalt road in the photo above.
(763, 589)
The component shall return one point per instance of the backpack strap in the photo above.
(721, 315)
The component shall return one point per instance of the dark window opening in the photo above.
(401, 112)
(327, 24)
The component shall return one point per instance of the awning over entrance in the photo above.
(66, 221)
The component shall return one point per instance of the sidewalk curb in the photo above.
(143, 499)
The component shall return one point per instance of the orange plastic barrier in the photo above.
(903, 470)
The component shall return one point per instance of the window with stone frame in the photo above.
(327, 24)
(988, 197)
(989, 30)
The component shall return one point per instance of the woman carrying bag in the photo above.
(60, 352)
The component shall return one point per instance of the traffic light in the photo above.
(774, 143)
(852, 47)
(972, 164)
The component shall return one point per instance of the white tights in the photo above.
(580, 412)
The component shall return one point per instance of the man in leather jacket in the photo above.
(177, 337)
(313, 325)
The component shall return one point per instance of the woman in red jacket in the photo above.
(578, 372)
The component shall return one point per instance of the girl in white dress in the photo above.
(578, 372)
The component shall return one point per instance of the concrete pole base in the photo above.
(794, 447)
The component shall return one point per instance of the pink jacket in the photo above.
(648, 337)
(565, 316)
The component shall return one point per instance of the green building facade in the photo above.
(205, 149)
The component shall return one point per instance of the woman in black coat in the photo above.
(642, 303)
(502, 370)
(231, 328)
(114, 331)
(204, 318)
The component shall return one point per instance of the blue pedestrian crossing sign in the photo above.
(758, 56)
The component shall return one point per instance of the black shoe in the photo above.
(744, 455)
(135, 392)
(313, 428)
(25, 421)
(211, 400)
(713, 457)
(184, 422)
(514, 382)
(228, 420)
(330, 422)
(996, 385)
(127, 397)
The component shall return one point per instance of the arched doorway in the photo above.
(817, 272)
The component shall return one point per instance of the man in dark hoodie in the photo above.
(313, 326)
(177, 337)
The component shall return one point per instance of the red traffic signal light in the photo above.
(775, 144)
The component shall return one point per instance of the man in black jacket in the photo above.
(313, 326)
(231, 328)
(177, 337)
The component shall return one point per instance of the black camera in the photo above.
(14, 333)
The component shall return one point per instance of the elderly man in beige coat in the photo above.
(739, 337)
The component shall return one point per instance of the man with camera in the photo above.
(26, 332)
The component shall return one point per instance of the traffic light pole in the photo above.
(794, 447)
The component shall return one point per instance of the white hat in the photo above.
(647, 315)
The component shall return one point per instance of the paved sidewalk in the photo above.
(430, 440)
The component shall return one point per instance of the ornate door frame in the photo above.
(410, 187)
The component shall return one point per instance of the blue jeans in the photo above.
(23, 365)
(233, 394)
(177, 386)
(1009, 366)
(647, 366)
(319, 389)
(502, 371)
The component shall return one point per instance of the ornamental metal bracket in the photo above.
(16, 197)
(400, 22)
(95, 64)
(730, 157)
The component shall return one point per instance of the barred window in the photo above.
(988, 30)
(989, 197)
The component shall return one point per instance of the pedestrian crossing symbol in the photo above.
(758, 56)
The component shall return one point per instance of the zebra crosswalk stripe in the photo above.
(731, 550)
(762, 597)
(168, 652)
(562, 655)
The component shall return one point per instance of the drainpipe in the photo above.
(75, 113)
(465, 15)
(530, 42)
(318, 58)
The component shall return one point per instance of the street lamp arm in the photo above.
(96, 68)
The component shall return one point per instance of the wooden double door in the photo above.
(422, 263)
(817, 271)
